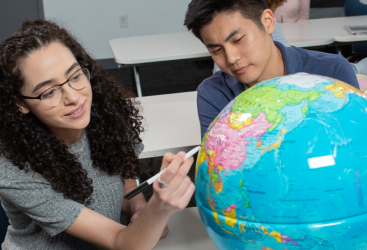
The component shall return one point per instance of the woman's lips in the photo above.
(78, 113)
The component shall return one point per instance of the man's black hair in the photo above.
(202, 12)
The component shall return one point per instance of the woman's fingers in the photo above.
(134, 217)
(165, 232)
(180, 175)
(185, 199)
(177, 199)
(167, 159)
(183, 194)
(172, 168)
(179, 190)
(184, 185)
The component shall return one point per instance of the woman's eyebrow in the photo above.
(42, 84)
(52, 80)
(71, 68)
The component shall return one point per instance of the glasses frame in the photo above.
(58, 85)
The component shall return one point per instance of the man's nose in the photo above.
(233, 54)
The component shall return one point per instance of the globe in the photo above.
(284, 166)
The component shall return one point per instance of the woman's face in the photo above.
(45, 68)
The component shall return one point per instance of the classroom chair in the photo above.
(356, 8)
(4, 223)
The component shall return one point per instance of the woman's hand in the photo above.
(177, 194)
(149, 220)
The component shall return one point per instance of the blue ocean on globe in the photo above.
(284, 167)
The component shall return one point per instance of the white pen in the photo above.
(149, 182)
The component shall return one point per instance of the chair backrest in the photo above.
(355, 8)
(4, 223)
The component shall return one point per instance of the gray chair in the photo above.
(4, 223)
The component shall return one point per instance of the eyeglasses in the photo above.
(52, 97)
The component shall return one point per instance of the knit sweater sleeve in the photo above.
(33, 195)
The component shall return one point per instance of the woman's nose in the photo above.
(70, 95)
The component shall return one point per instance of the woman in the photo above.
(277, 33)
(69, 141)
(293, 11)
(274, 4)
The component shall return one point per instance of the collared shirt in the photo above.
(215, 92)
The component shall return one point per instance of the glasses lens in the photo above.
(52, 97)
(79, 79)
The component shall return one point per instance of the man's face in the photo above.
(239, 47)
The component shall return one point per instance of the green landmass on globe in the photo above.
(284, 165)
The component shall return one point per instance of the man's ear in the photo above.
(23, 107)
(268, 21)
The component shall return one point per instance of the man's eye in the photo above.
(239, 39)
(216, 51)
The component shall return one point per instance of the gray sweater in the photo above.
(38, 214)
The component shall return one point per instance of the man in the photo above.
(237, 34)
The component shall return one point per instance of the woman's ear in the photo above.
(22, 107)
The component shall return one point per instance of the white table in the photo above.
(186, 232)
(323, 31)
(335, 28)
(156, 48)
(171, 123)
(302, 36)
(184, 45)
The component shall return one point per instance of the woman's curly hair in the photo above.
(274, 4)
(113, 131)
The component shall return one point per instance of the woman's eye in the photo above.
(49, 93)
(75, 78)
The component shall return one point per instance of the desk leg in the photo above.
(137, 81)
(338, 50)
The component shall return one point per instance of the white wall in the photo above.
(95, 22)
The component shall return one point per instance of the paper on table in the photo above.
(356, 29)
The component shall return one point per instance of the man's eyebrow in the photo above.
(44, 83)
(212, 45)
(231, 34)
